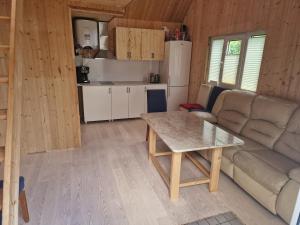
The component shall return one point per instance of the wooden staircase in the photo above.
(9, 204)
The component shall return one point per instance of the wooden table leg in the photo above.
(175, 175)
(152, 142)
(215, 169)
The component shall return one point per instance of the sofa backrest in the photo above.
(268, 119)
(203, 94)
(289, 142)
(219, 103)
(236, 110)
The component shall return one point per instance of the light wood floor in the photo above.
(110, 181)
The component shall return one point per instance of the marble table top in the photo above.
(184, 132)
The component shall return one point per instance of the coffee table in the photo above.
(185, 133)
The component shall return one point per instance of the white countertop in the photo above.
(118, 83)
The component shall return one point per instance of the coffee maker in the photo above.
(82, 74)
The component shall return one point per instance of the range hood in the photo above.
(103, 40)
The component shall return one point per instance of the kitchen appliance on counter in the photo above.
(154, 78)
(82, 74)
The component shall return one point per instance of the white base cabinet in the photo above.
(96, 103)
(119, 102)
(136, 101)
(116, 102)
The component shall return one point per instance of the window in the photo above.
(235, 61)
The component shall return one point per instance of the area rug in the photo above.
(228, 218)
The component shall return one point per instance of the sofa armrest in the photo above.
(294, 174)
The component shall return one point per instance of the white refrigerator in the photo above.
(175, 71)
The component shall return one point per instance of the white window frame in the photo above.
(244, 37)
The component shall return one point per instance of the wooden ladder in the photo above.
(9, 205)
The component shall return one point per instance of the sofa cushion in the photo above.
(203, 94)
(206, 116)
(248, 146)
(269, 118)
(266, 167)
(235, 110)
(215, 92)
(219, 103)
(289, 143)
(294, 174)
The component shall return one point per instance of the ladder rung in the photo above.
(4, 46)
(3, 114)
(4, 18)
(2, 153)
(3, 80)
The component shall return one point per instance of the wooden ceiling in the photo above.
(154, 10)
(158, 10)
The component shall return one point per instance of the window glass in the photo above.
(252, 64)
(231, 62)
(215, 59)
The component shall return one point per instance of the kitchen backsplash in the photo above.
(117, 70)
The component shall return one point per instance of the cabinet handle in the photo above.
(129, 55)
(152, 55)
(109, 90)
(128, 90)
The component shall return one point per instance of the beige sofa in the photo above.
(268, 165)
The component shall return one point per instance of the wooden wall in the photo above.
(50, 117)
(158, 10)
(280, 72)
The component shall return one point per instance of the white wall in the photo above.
(117, 70)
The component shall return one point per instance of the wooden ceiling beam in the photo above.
(96, 8)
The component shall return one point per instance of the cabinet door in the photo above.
(119, 102)
(176, 96)
(136, 101)
(134, 43)
(179, 63)
(153, 44)
(96, 103)
(122, 40)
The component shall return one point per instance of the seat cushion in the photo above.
(215, 92)
(266, 167)
(268, 120)
(289, 143)
(203, 94)
(206, 116)
(236, 110)
(295, 174)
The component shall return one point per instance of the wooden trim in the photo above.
(216, 158)
(12, 159)
(160, 170)
(97, 8)
(175, 175)
(3, 114)
(2, 155)
(158, 154)
(152, 142)
(4, 18)
(23, 206)
(192, 182)
(3, 80)
(198, 164)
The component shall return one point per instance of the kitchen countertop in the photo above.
(118, 83)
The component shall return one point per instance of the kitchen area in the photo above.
(116, 70)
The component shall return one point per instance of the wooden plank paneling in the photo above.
(280, 72)
(158, 10)
(50, 117)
